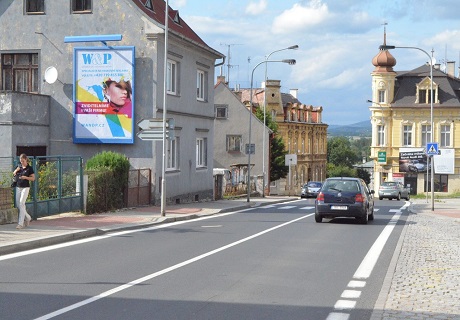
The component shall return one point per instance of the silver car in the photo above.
(393, 190)
(310, 189)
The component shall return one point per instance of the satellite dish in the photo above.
(51, 75)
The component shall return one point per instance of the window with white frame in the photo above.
(171, 77)
(172, 154)
(380, 135)
(234, 143)
(426, 134)
(201, 152)
(407, 135)
(381, 96)
(35, 6)
(201, 85)
(81, 6)
(445, 135)
(221, 111)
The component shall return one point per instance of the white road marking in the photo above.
(216, 226)
(344, 304)
(351, 294)
(286, 207)
(307, 208)
(356, 284)
(338, 316)
(164, 271)
(367, 265)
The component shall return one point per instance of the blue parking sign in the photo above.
(432, 148)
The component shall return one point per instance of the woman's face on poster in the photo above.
(116, 93)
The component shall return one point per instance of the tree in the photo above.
(278, 169)
(340, 153)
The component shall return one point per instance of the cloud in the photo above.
(176, 4)
(300, 17)
(256, 8)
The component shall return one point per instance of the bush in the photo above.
(107, 180)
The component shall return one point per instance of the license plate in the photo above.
(339, 208)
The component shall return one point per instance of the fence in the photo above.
(57, 186)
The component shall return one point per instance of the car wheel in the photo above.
(380, 198)
(318, 218)
(408, 197)
(363, 220)
(399, 197)
(371, 216)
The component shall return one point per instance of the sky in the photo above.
(337, 40)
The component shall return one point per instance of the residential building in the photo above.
(231, 139)
(41, 118)
(303, 133)
(401, 113)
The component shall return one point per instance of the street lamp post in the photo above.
(265, 104)
(289, 61)
(385, 47)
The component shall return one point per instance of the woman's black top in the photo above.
(27, 172)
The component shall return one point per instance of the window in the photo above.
(200, 85)
(380, 135)
(221, 111)
(445, 135)
(424, 92)
(172, 154)
(441, 183)
(407, 135)
(81, 6)
(171, 78)
(35, 6)
(381, 96)
(234, 143)
(426, 134)
(20, 72)
(201, 152)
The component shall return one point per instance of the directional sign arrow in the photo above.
(145, 124)
(151, 135)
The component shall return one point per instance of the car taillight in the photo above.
(359, 198)
(320, 196)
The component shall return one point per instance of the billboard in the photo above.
(412, 160)
(103, 95)
(444, 162)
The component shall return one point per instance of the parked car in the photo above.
(310, 189)
(345, 197)
(417, 166)
(393, 190)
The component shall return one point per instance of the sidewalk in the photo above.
(423, 279)
(72, 226)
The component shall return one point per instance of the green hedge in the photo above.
(107, 180)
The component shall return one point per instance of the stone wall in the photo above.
(8, 214)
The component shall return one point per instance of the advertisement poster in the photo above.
(412, 160)
(444, 162)
(103, 95)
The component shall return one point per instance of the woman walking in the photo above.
(25, 174)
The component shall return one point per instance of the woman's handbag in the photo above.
(15, 181)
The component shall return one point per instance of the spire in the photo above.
(384, 60)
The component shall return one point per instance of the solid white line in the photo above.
(161, 272)
(367, 265)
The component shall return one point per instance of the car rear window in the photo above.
(389, 184)
(342, 186)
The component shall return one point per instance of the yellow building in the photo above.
(401, 112)
(303, 132)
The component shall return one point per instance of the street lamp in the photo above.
(265, 104)
(288, 61)
(385, 47)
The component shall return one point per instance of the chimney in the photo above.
(437, 66)
(221, 79)
(293, 92)
(451, 68)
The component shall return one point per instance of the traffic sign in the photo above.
(432, 148)
(152, 134)
(382, 157)
(153, 123)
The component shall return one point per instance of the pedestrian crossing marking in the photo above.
(287, 207)
(307, 208)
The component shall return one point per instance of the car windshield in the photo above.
(314, 185)
(341, 186)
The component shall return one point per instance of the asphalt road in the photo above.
(270, 262)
